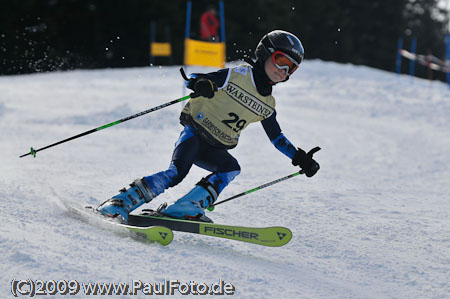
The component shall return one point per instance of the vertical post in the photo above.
(413, 51)
(187, 34)
(398, 64)
(188, 19)
(429, 60)
(169, 40)
(447, 47)
(152, 40)
(222, 21)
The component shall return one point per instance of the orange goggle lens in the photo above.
(284, 62)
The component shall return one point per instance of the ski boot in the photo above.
(127, 200)
(192, 205)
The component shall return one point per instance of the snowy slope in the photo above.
(373, 223)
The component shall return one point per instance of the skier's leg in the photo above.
(222, 164)
(184, 155)
(145, 189)
(225, 168)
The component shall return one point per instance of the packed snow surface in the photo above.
(373, 223)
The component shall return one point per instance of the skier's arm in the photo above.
(277, 138)
(298, 156)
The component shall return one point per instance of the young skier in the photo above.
(222, 105)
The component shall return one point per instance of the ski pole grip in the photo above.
(313, 151)
(183, 74)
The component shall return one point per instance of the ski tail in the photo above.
(160, 234)
(153, 233)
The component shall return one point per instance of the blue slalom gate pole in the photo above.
(187, 33)
(413, 51)
(152, 40)
(188, 19)
(222, 21)
(447, 48)
(398, 64)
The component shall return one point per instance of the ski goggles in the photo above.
(284, 62)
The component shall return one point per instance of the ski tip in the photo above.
(284, 235)
(274, 236)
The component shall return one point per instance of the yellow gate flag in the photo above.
(161, 49)
(204, 53)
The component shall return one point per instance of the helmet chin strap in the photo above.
(287, 78)
(250, 61)
(275, 83)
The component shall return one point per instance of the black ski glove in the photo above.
(201, 86)
(204, 87)
(306, 162)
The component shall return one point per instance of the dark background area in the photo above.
(51, 35)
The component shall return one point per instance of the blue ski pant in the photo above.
(190, 150)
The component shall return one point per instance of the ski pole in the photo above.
(33, 151)
(211, 207)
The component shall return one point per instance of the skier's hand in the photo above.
(306, 162)
(201, 86)
(205, 88)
